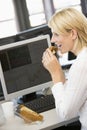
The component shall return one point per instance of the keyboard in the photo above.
(41, 104)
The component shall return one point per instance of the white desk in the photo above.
(50, 122)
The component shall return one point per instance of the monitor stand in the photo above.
(29, 97)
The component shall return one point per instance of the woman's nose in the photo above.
(53, 39)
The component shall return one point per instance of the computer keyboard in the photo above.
(41, 104)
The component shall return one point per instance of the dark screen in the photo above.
(22, 66)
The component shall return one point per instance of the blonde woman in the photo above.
(69, 29)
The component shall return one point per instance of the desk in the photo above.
(50, 122)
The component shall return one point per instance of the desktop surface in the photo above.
(50, 122)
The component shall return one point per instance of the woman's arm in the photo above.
(69, 97)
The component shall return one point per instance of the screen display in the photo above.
(22, 65)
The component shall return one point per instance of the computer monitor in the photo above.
(33, 32)
(22, 71)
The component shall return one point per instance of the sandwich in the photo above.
(53, 49)
(29, 115)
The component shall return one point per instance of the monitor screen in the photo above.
(21, 66)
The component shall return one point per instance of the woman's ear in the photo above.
(74, 34)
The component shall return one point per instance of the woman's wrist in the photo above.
(58, 77)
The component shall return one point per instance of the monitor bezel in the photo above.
(33, 88)
(2, 99)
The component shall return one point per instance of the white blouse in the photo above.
(71, 97)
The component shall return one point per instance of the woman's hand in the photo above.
(51, 63)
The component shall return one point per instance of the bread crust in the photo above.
(29, 115)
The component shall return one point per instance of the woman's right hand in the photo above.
(50, 62)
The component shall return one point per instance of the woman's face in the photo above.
(65, 43)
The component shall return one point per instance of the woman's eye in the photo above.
(55, 34)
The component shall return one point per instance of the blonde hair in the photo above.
(67, 19)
